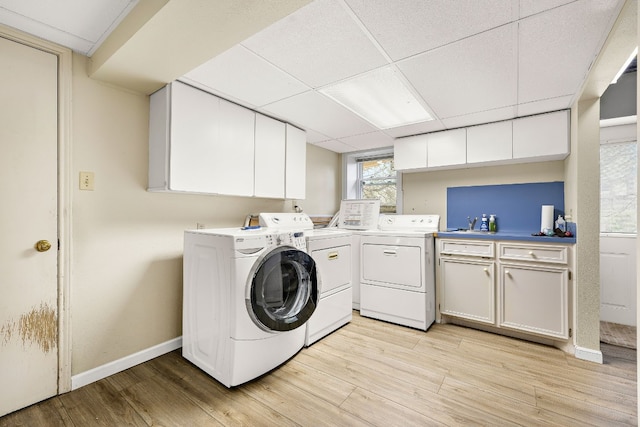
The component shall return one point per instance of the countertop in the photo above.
(503, 235)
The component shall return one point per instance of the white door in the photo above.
(28, 278)
(618, 226)
(618, 279)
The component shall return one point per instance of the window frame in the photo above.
(351, 178)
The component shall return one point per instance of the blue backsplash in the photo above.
(516, 206)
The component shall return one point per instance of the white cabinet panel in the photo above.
(194, 128)
(447, 148)
(534, 299)
(200, 143)
(296, 163)
(490, 143)
(410, 152)
(235, 150)
(270, 157)
(468, 289)
(544, 137)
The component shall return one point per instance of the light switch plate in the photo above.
(86, 181)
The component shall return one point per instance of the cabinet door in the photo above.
(544, 137)
(194, 130)
(490, 143)
(270, 157)
(410, 153)
(534, 299)
(296, 163)
(468, 289)
(447, 148)
(234, 150)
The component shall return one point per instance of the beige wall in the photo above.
(583, 173)
(126, 254)
(426, 192)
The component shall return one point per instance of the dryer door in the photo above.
(284, 290)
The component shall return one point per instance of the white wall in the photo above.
(126, 254)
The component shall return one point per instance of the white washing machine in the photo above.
(331, 250)
(397, 272)
(248, 295)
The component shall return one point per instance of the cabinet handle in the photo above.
(486, 270)
(532, 254)
(507, 272)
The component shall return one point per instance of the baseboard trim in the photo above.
(100, 372)
(589, 354)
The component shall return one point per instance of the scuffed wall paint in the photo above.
(38, 326)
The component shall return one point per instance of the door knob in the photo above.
(43, 245)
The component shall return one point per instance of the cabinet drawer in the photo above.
(467, 248)
(538, 253)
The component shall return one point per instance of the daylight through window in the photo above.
(618, 187)
(377, 180)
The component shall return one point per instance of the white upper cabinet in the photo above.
(200, 143)
(490, 142)
(530, 139)
(447, 148)
(543, 137)
(185, 134)
(410, 152)
(234, 150)
(270, 157)
(296, 163)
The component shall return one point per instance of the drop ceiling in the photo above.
(468, 61)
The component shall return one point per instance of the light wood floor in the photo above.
(367, 373)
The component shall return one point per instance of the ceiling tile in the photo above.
(319, 44)
(424, 127)
(369, 140)
(242, 76)
(531, 7)
(79, 24)
(405, 28)
(311, 110)
(545, 105)
(472, 75)
(558, 47)
(337, 146)
(481, 117)
(314, 137)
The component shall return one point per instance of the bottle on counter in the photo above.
(493, 226)
(560, 223)
(484, 224)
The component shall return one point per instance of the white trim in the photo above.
(588, 354)
(617, 121)
(65, 81)
(111, 368)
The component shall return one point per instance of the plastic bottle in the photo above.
(484, 225)
(560, 223)
(493, 227)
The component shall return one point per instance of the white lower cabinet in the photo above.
(525, 287)
(470, 291)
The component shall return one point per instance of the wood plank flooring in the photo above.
(368, 373)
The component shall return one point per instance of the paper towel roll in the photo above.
(546, 215)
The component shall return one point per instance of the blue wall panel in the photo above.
(516, 206)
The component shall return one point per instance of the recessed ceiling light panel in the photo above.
(380, 97)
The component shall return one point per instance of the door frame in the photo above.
(65, 190)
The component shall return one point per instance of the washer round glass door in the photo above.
(284, 290)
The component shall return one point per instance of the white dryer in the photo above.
(247, 297)
(331, 249)
(397, 272)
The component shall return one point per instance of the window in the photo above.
(371, 175)
(618, 187)
(377, 180)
